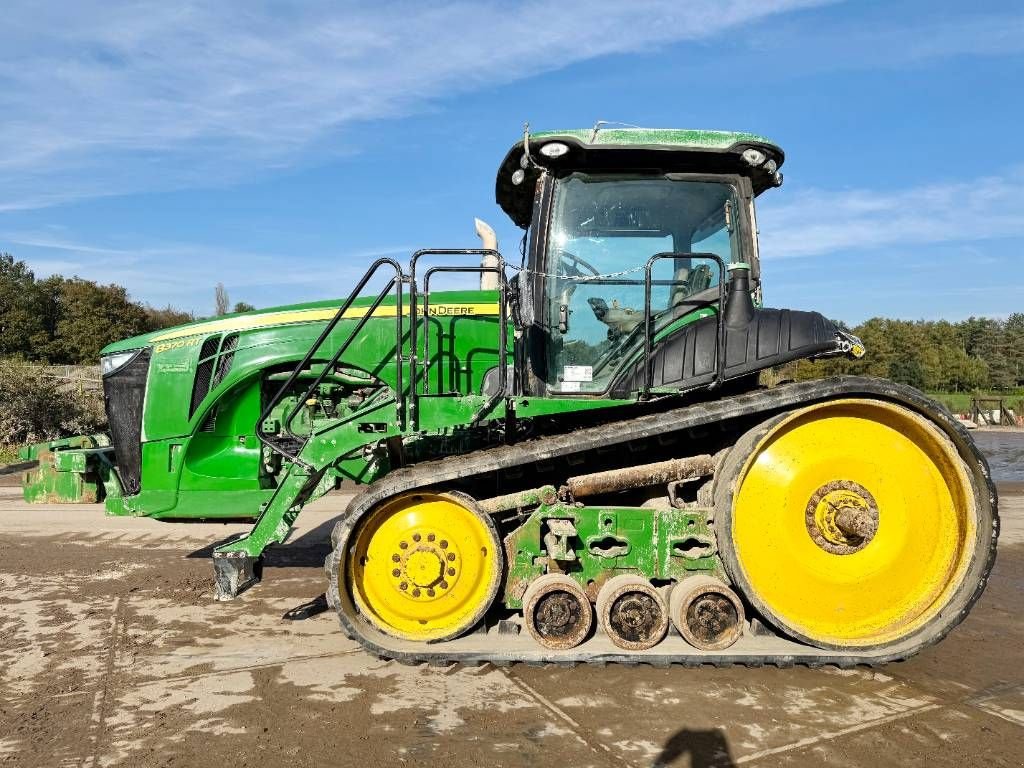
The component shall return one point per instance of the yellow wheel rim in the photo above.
(897, 486)
(425, 566)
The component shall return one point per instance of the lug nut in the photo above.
(396, 573)
(396, 558)
(451, 571)
(444, 544)
(443, 585)
(416, 537)
(416, 593)
(403, 586)
(403, 545)
(430, 592)
(451, 557)
(430, 537)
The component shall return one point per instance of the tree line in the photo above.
(68, 320)
(979, 353)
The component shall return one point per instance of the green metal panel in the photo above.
(670, 138)
(68, 475)
(661, 544)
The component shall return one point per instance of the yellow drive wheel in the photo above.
(425, 566)
(853, 524)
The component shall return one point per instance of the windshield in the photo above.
(603, 231)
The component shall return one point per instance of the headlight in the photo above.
(554, 149)
(116, 361)
(753, 156)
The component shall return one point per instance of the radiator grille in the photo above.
(215, 358)
(124, 393)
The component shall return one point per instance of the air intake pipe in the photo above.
(739, 306)
(489, 241)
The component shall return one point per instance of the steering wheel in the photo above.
(571, 265)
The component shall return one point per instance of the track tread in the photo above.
(763, 403)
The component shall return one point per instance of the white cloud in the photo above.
(101, 98)
(890, 37)
(815, 222)
(161, 273)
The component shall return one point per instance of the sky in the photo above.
(279, 147)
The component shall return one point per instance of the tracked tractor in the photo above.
(572, 460)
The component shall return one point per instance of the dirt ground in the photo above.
(113, 653)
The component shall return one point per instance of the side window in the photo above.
(591, 312)
(603, 231)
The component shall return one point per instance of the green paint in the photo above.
(659, 544)
(669, 138)
(68, 475)
(202, 459)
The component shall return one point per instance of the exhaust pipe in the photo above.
(489, 241)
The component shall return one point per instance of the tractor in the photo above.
(573, 456)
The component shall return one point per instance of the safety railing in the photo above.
(497, 270)
(648, 378)
(395, 283)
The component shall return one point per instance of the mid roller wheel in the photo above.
(854, 524)
(425, 566)
(632, 612)
(557, 611)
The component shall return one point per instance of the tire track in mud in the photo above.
(101, 699)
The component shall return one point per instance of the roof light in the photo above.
(554, 149)
(753, 156)
(518, 176)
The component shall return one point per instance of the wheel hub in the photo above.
(558, 614)
(425, 565)
(635, 616)
(842, 517)
(710, 617)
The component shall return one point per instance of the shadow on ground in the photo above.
(706, 749)
(307, 550)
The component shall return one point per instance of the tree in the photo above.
(243, 306)
(1013, 343)
(167, 317)
(82, 317)
(21, 325)
(221, 302)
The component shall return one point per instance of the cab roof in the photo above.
(632, 149)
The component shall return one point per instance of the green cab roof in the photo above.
(636, 149)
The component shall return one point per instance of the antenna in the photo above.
(602, 123)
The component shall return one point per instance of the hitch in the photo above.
(235, 572)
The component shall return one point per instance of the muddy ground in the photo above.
(112, 653)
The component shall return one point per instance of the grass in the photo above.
(960, 402)
(8, 454)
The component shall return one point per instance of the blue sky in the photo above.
(279, 147)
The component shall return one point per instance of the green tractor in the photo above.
(574, 462)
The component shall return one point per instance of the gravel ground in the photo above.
(112, 652)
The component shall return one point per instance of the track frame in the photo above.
(754, 649)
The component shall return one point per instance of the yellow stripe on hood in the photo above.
(249, 322)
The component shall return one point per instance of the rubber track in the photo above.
(479, 647)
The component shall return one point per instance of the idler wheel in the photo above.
(706, 613)
(632, 612)
(557, 611)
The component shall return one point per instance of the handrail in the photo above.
(396, 282)
(415, 318)
(502, 332)
(648, 320)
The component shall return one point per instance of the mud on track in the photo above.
(112, 652)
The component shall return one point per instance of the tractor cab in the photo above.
(633, 236)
